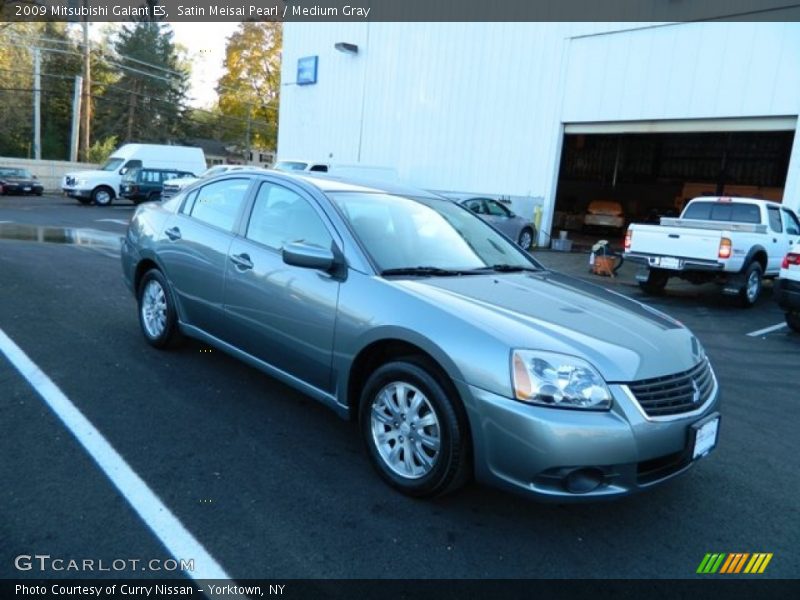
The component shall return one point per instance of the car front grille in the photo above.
(675, 394)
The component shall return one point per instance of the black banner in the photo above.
(730, 588)
(400, 10)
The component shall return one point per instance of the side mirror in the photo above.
(123, 170)
(308, 257)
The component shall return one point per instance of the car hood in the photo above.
(624, 339)
(89, 174)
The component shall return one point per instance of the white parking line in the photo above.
(767, 330)
(118, 221)
(167, 528)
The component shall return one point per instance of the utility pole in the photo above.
(87, 84)
(248, 157)
(76, 119)
(37, 104)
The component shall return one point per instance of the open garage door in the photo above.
(612, 174)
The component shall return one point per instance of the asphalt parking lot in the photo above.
(274, 485)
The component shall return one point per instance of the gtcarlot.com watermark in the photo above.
(44, 563)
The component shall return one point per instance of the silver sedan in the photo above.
(519, 229)
(456, 352)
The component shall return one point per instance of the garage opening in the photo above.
(608, 180)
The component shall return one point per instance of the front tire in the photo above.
(751, 290)
(415, 434)
(655, 283)
(793, 320)
(103, 196)
(158, 318)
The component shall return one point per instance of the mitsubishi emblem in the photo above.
(695, 392)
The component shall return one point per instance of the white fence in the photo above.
(49, 172)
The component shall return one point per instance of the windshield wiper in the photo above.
(426, 271)
(501, 268)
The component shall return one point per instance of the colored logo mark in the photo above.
(741, 562)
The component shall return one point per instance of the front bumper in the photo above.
(535, 450)
(787, 294)
(77, 193)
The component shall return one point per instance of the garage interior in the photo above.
(655, 174)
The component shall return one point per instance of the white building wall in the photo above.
(480, 107)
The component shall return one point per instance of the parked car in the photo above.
(173, 186)
(457, 352)
(301, 165)
(787, 287)
(19, 181)
(733, 241)
(103, 185)
(139, 184)
(517, 228)
(604, 214)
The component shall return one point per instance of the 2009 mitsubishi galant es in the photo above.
(457, 353)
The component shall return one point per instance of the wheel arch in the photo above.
(757, 254)
(385, 349)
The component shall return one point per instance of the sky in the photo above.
(205, 45)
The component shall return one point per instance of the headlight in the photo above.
(559, 380)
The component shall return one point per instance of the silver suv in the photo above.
(457, 353)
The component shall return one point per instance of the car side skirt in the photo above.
(322, 396)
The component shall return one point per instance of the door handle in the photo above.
(173, 233)
(242, 261)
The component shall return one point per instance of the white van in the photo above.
(102, 186)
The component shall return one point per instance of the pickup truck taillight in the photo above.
(628, 239)
(725, 249)
(790, 259)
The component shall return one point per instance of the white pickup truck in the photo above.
(733, 241)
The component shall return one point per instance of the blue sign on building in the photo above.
(307, 70)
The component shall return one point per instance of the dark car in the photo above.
(19, 181)
(140, 185)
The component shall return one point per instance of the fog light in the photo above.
(583, 481)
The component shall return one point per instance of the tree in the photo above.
(148, 100)
(16, 90)
(249, 89)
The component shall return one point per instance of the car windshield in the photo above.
(431, 236)
(739, 212)
(290, 165)
(21, 173)
(112, 164)
(131, 174)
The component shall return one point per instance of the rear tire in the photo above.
(525, 240)
(656, 282)
(158, 318)
(751, 290)
(415, 434)
(793, 320)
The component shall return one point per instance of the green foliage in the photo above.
(250, 86)
(145, 103)
(101, 150)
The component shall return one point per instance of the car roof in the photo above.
(327, 182)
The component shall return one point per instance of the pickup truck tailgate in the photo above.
(678, 242)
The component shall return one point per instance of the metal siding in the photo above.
(479, 107)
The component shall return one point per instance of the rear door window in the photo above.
(219, 203)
